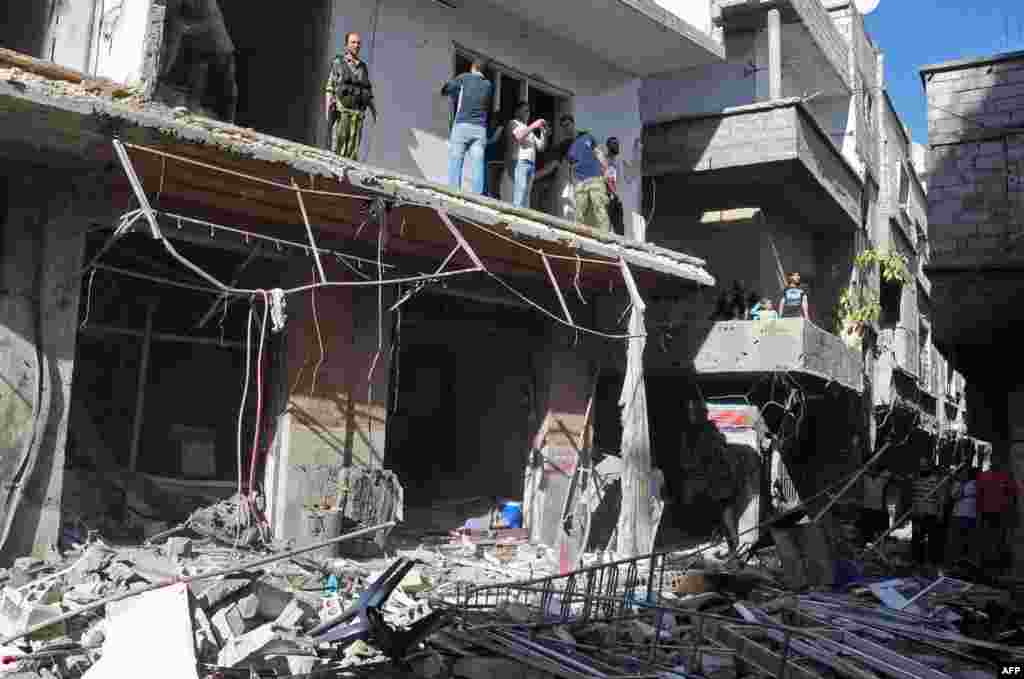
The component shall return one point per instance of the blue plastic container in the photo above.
(512, 514)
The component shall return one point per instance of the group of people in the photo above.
(966, 516)
(738, 305)
(477, 136)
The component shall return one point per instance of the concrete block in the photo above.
(27, 563)
(207, 645)
(260, 642)
(248, 607)
(119, 571)
(273, 600)
(295, 614)
(210, 594)
(151, 566)
(228, 623)
(237, 618)
(95, 558)
(178, 548)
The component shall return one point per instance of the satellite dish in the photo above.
(866, 6)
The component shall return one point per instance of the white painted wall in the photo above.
(118, 55)
(697, 13)
(409, 48)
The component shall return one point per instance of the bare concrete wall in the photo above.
(975, 195)
(707, 88)
(336, 410)
(43, 236)
(741, 245)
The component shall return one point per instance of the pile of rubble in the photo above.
(478, 603)
(225, 599)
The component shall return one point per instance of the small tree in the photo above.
(859, 305)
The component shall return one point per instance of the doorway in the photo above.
(279, 91)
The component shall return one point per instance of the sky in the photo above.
(916, 33)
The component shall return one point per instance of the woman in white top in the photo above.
(524, 142)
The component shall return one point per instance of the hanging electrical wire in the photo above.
(245, 397)
(319, 339)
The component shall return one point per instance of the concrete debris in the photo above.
(448, 608)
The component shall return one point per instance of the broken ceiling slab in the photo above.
(43, 115)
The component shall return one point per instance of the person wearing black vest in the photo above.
(794, 300)
(349, 95)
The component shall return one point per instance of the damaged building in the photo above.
(200, 309)
(788, 157)
(205, 304)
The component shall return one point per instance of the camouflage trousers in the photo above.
(347, 132)
(592, 204)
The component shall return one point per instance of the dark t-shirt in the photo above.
(582, 154)
(476, 92)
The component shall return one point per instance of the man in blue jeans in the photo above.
(471, 94)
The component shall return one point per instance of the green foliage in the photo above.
(893, 266)
(858, 305)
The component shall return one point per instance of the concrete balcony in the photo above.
(640, 36)
(829, 43)
(772, 154)
(751, 347)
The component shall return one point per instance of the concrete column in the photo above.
(567, 383)
(774, 54)
(43, 243)
(336, 410)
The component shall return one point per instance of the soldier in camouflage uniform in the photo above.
(349, 95)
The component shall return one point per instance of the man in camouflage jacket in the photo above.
(349, 94)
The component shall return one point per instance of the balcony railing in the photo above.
(749, 347)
